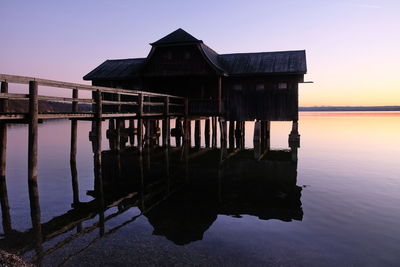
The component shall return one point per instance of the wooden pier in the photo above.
(149, 118)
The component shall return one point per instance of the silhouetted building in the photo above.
(243, 86)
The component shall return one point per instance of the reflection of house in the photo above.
(265, 189)
(243, 86)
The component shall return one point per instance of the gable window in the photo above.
(282, 85)
(237, 87)
(260, 87)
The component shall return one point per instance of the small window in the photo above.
(187, 55)
(282, 85)
(237, 87)
(260, 87)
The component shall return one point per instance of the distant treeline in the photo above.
(344, 108)
(21, 106)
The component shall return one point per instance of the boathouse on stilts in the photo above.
(234, 88)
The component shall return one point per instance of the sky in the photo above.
(352, 47)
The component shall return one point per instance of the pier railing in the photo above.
(116, 103)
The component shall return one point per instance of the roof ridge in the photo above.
(248, 53)
(120, 59)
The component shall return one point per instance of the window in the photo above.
(282, 86)
(237, 87)
(260, 87)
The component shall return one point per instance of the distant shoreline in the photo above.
(353, 108)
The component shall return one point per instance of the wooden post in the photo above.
(97, 140)
(262, 136)
(222, 125)
(243, 135)
(294, 136)
(207, 132)
(32, 161)
(238, 134)
(140, 123)
(219, 95)
(131, 132)
(72, 158)
(214, 132)
(166, 124)
(5, 207)
(267, 136)
(186, 121)
(178, 127)
(256, 140)
(197, 134)
(232, 134)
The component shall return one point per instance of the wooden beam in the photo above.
(140, 123)
(73, 148)
(197, 134)
(33, 162)
(232, 134)
(5, 207)
(257, 140)
(214, 132)
(219, 95)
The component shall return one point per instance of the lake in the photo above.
(339, 204)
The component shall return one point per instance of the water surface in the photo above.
(338, 205)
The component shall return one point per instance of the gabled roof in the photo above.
(116, 69)
(290, 62)
(267, 63)
(178, 36)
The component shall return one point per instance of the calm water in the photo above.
(343, 209)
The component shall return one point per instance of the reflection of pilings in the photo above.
(32, 164)
(167, 172)
(141, 179)
(72, 159)
(5, 208)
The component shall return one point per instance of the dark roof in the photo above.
(284, 62)
(116, 69)
(178, 36)
(212, 56)
(265, 62)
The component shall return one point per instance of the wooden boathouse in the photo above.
(236, 87)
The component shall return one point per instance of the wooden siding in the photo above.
(176, 61)
(270, 103)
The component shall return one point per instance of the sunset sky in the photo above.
(353, 47)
